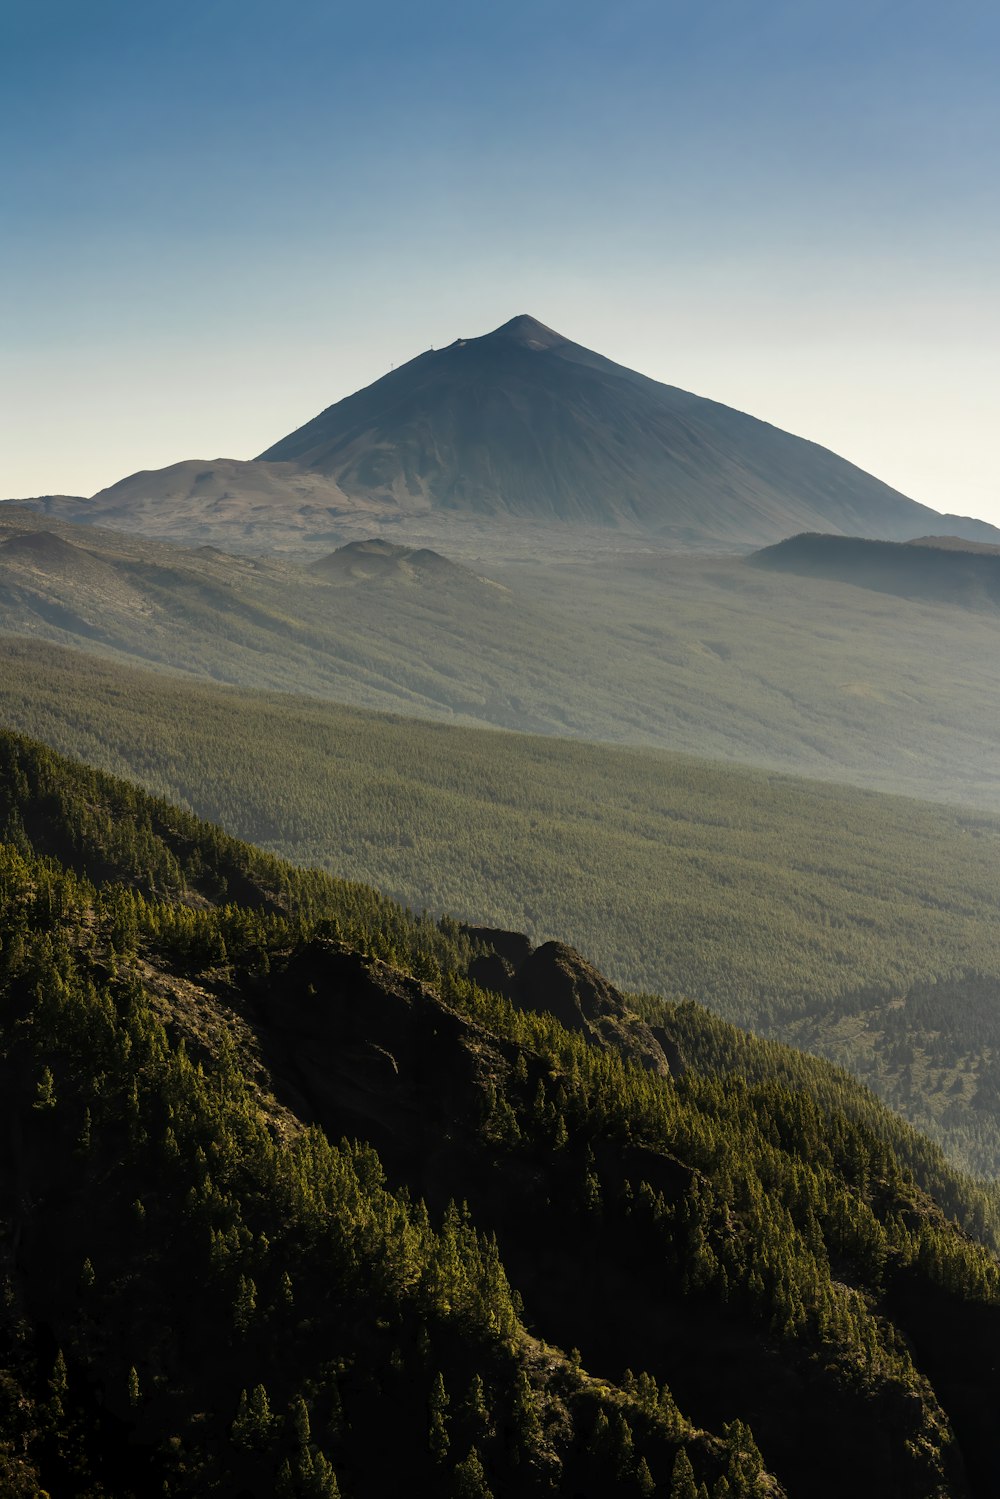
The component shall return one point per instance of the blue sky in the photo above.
(220, 217)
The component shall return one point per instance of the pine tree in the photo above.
(437, 1436)
(470, 1479)
(299, 1416)
(644, 1480)
(245, 1303)
(624, 1447)
(599, 1442)
(58, 1389)
(682, 1481)
(527, 1424)
(323, 1483)
(479, 1411)
(45, 1094)
(745, 1462)
(253, 1425)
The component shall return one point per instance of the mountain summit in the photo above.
(527, 330)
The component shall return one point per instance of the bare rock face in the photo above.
(497, 967)
(364, 1050)
(513, 947)
(555, 980)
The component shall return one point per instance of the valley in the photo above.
(682, 765)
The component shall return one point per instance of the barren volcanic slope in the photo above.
(521, 426)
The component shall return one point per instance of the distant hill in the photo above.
(379, 561)
(942, 569)
(243, 505)
(52, 504)
(516, 430)
(955, 544)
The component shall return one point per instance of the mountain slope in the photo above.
(204, 1293)
(207, 500)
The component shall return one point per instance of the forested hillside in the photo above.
(859, 926)
(206, 1292)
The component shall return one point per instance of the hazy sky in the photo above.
(222, 215)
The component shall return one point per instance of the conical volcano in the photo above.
(530, 441)
(525, 423)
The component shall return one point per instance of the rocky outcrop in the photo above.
(555, 980)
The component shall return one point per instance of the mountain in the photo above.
(934, 569)
(519, 436)
(859, 926)
(525, 424)
(241, 1104)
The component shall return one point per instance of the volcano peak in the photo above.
(528, 332)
